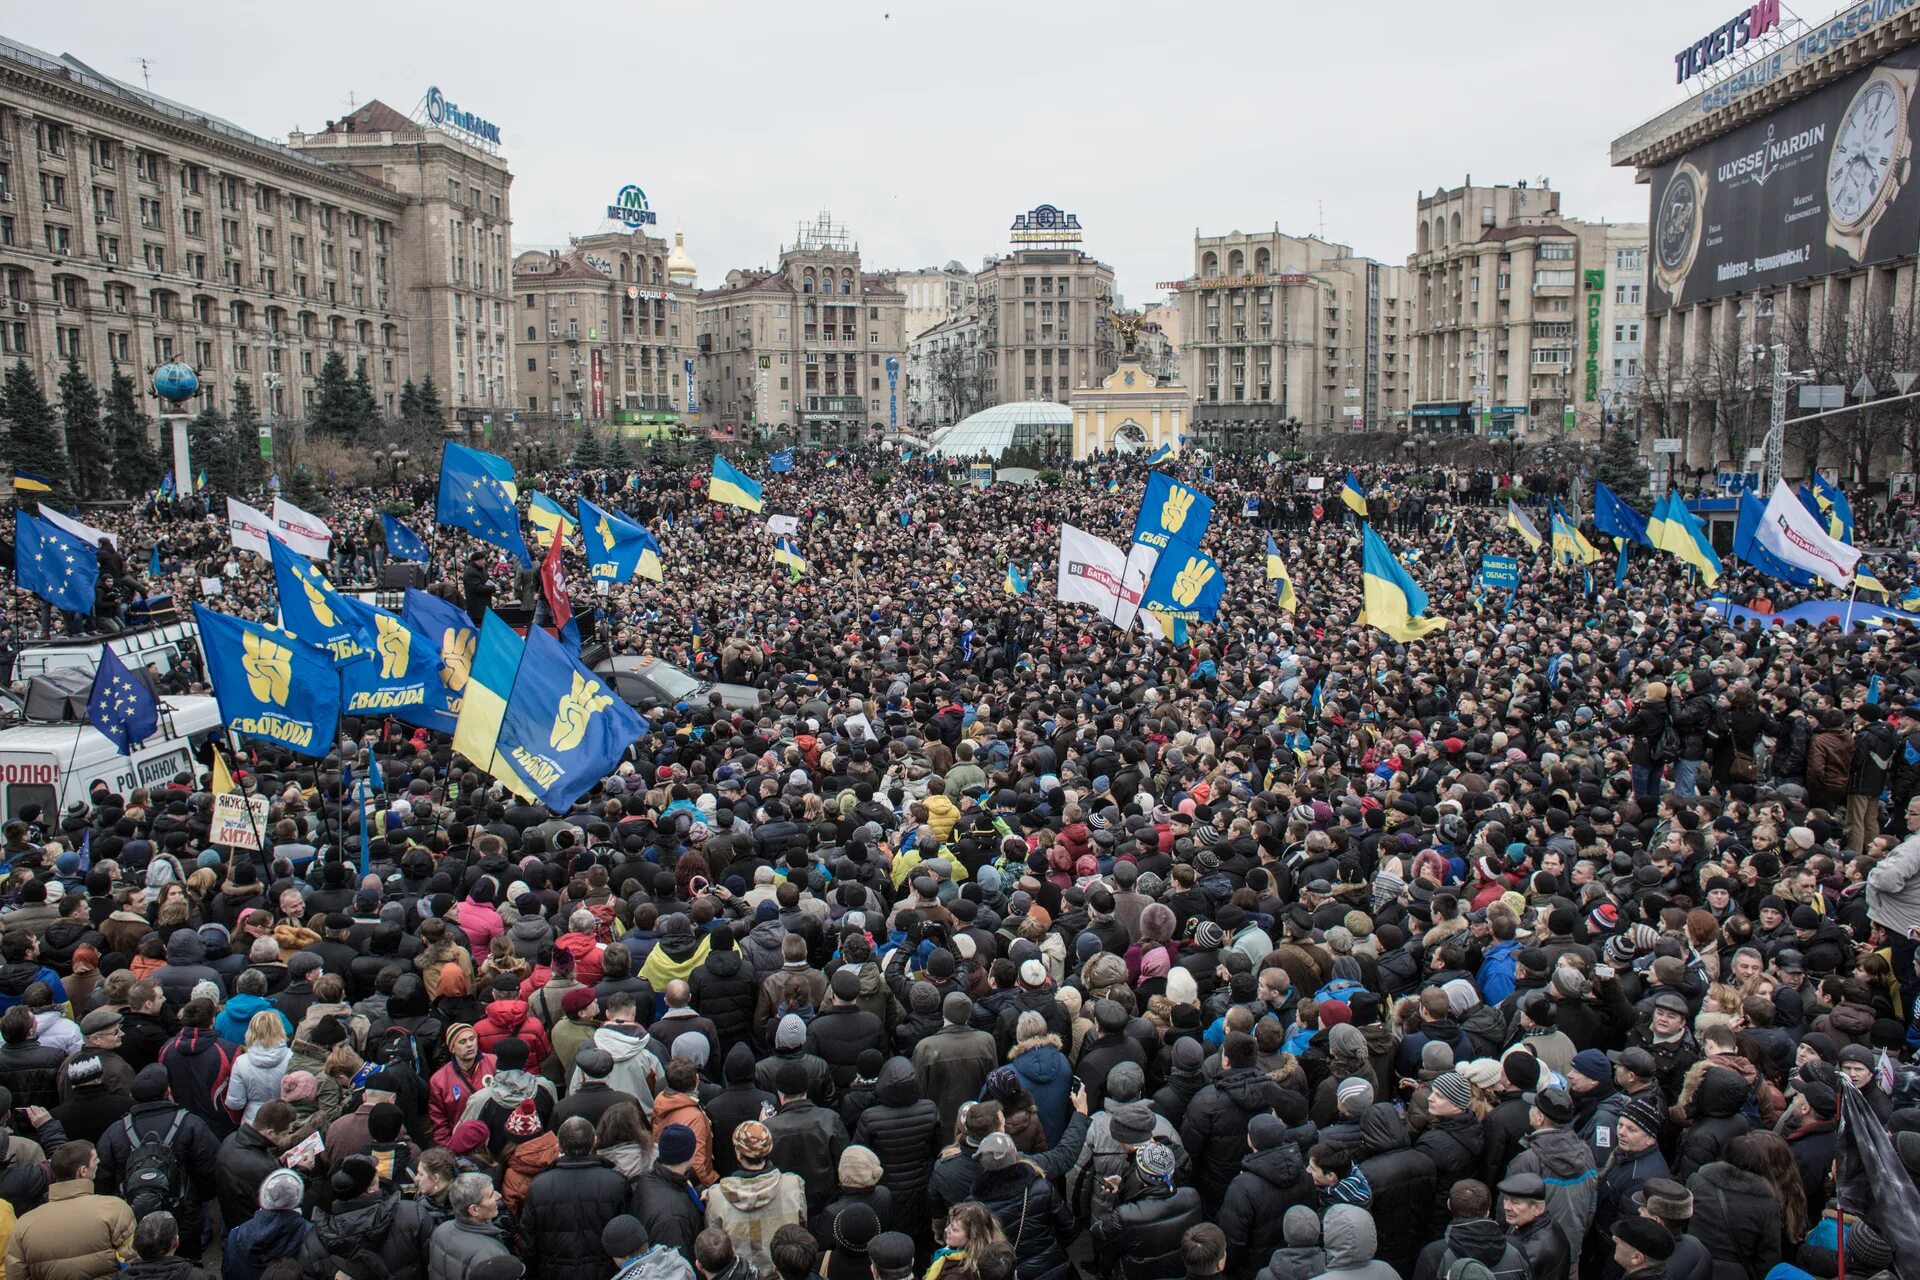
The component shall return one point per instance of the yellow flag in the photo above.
(222, 777)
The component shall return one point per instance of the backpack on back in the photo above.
(152, 1181)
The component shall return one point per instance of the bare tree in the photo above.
(960, 381)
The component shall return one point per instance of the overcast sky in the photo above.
(925, 126)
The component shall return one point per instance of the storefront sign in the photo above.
(1725, 40)
(1596, 291)
(448, 115)
(599, 385)
(893, 393)
(1235, 282)
(1045, 224)
(692, 408)
(630, 207)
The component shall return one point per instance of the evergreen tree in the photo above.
(409, 404)
(616, 458)
(1620, 467)
(86, 442)
(300, 489)
(586, 451)
(210, 439)
(428, 409)
(248, 467)
(32, 434)
(365, 405)
(336, 406)
(135, 468)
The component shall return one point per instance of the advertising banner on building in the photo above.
(599, 386)
(1821, 186)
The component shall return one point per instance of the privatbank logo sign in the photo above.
(630, 207)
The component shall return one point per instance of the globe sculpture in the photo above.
(176, 382)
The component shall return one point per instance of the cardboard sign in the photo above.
(239, 821)
(1500, 571)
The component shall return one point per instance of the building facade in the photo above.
(935, 295)
(606, 330)
(135, 231)
(812, 351)
(1282, 334)
(1514, 312)
(1044, 323)
(946, 373)
(453, 254)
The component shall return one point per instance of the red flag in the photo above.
(553, 585)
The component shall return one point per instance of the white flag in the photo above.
(307, 534)
(1095, 573)
(1792, 533)
(85, 532)
(249, 529)
(785, 526)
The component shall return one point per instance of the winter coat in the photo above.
(481, 923)
(1215, 1130)
(265, 1238)
(750, 1207)
(449, 1091)
(1875, 748)
(902, 1128)
(241, 1165)
(399, 1233)
(1893, 888)
(1564, 1161)
(458, 1247)
(1140, 1238)
(724, 990)
(1480, 1239)
(738, 1101)
(1269, 1183)
(512, 1018)
(198, 1064)
(1403, 1181)
(566, 1209)
(255, 1080)
(1456, 1145)
(1541, 1243)
(838, 1035)
(671, 1108)
(1716, 1121)
(1347, 1232)
(951, 1065)
(808, 1140)
(1032, 1217)
(668, 1208)
(195, 1145)
(1046, 1074)
(75, 1235)
(31, 1071)
(1830, 763)
(635, 1069)
(1737, 1218)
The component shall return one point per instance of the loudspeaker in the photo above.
(398, 575)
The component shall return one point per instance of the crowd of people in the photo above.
(1001, 944)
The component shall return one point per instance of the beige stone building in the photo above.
(1512, 317)
(453, 250)
(606, 329)
(935, 295)
(1285, 333)
(135, 231)
(812, 351)
(1044, 326)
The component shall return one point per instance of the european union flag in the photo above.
(615, 545)
(313, 611)
(1186, 583)
(449, 633)
(477, 493)
(402, 681)
(1614, 518)
(122, 708)
(564, 728)
(268, 684)
(53, 564)
(403, 543)
(781, 462)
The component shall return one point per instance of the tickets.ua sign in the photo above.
(1726, 40)
(448, 115)
(630, 207)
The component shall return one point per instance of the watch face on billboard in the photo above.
(1818, 187)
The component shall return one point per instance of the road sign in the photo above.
(1863, 389)
(1825, 396)
(1667, 444)
(1905, 380)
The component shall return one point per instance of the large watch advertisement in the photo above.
(1819, 187)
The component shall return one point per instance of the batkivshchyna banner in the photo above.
(1822, 186)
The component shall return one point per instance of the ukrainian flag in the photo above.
(1277, 573)
(1834, 508)
(1113, 486)
(1679, 533)
(1865, 580)
(733, 487)
(1354, 496)
(1170, 627)
(30, 482)
(483, 705)
(1569, 544)
(1160, 455)
(784, 552)
(1522, 524)
(1394, 601)
(1014, 584)
(650, 558)
(546, 515)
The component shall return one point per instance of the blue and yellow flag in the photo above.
(786, 553)
(1522, 524)
(1277, 574)
(1569, 544)
(1014, 584)
(1678, 532)
(615, 545)
(404, 678)
(833, 460)
(564, 728)
(1615, 519)
(494, 662)
(268, 684)
(1186, 583)
(1865, 580)
(1394, 601)
(1160, 455)
(1171, 514)
(546, 515)
(478, 494)
(122, 708)
(53, 564)
(450, 634)
(403, 543)
(1353, 495)
(780, 463)
(733, 487)
(1170, 627)
(313, 612)
(25, 481)
(1113, 486)
(1833, 508)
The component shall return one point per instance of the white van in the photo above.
(54, 765)
(163, 645)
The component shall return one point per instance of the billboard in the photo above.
(1819, 187)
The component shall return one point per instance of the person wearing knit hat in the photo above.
(1353, 1096)
(753, 1203)
(859, 1168)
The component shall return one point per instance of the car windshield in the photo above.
(677, 683)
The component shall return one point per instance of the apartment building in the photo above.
(1044, 323)
(935, 295)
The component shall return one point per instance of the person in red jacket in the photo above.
(454, 1084)
(579, 942)
(508, 1015)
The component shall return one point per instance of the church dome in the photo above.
(680, 267)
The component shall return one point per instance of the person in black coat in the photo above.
(842, 1031)
(1716, 1118)
(247, 1157)
(1215, 1129)
(1032, 1217)
(1811, 1128)
(738, 1101)
(663, 1197)
(1272, 1178)
(1453, 1139)
(368, 1222)
(902, 1128)
(1107, 1049)
(1532, 1229)
(1140, 1238)
(724, 991)
(807, 1138)
(195, 1148)
(1402, 1179)
(567, 1208)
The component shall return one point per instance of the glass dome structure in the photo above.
(1041, 423)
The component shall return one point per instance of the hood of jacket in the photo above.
(623, 1043)
(1249, 1089)
(530, 929)
(678, 947)
(1280, 1167)
(725, 964)
(897, 1085)
(16, 978)
(1348, 1235)
(269, 1057)
(365, 1218)
(1040, 1060)
(750, 1192)
(1383, 1129)
(1563, 1153)
(1722, 1093)
(194, 1041)
(740, 1064)
(283, 1231)
(184, 948)
(1478, 1238)
(509, 1014)
(242, 1007)
(1854, 1019)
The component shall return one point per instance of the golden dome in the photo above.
(678, 263)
